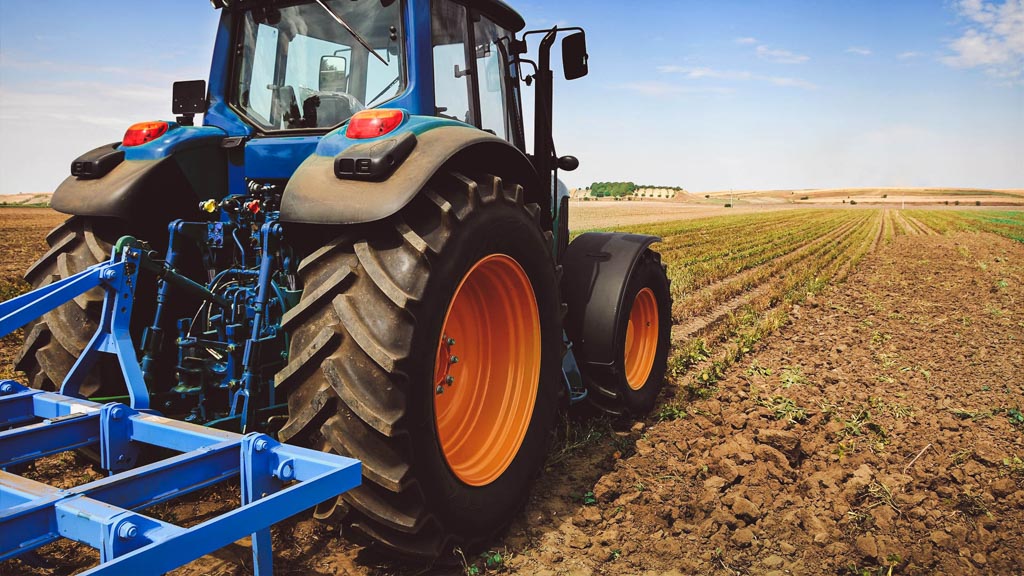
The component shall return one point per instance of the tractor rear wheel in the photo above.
(54, 342)
(428, 347)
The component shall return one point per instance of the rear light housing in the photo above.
(144, 132)
(374, 123)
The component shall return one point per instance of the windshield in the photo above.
(300, 68)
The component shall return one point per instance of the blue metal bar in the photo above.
(277, 481)
(54, 436)
(113, 335)
(15, 405)
(215, 534)
(20, 311)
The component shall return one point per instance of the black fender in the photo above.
(151, 192)
(597, 267)
(315, 195)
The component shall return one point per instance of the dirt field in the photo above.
(845, 398)
(22, 240)
(606, 214)
(892, 197)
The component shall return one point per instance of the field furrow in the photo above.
(748, 279)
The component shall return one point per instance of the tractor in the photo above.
(357, 252)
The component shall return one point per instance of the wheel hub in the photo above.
(487, 370)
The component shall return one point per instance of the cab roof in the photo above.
(502, 14)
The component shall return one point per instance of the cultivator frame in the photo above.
(277, 481)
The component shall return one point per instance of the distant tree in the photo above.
(612, 189)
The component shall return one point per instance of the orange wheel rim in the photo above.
(487, 370)
(641, 339)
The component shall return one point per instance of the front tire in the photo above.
(633, 383)
(449, 448)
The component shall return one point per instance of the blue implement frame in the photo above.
(277, 481)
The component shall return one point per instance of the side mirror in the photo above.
(568, 163)
(334, 74)
(574, 56)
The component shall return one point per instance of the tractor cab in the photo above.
(287, 74)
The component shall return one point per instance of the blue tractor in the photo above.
(359, 252)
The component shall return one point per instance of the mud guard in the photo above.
(315, 195)
(597, 268)
(151, 187)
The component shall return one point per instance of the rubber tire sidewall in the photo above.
(648, 273)
(475, 513)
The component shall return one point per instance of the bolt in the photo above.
(449, 380)
(450, 341)
(127, 531)
(121, 457)
(6, 388)
(454, 360)
(108, 274)
(440, 390)
(286, 472)
(262, 445)
(116, 414)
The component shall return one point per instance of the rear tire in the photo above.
(364, 362)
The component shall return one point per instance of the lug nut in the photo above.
(440, 390)
(449, 380)
(454, 360)
(450, 341)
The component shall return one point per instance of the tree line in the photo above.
(620, 189)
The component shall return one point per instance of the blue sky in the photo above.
(705, 95)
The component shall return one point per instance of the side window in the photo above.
(382, 81)
(260, 95)
(451, 78)
(490, 65)
(304, 60)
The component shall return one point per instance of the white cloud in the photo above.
(655, 88)
(697, 73)
(994, 40)
(746, 40)
(858, 51)
(909, 55)
(780, 56)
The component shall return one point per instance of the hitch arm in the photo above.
(21, 310)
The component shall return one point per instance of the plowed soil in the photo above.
(878, 432)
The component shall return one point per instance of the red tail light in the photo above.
(144, 132)
(374, 123)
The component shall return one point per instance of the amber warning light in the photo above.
(144, 132)
(374, 123)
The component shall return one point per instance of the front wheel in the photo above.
(428, 347)
(645, 329)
